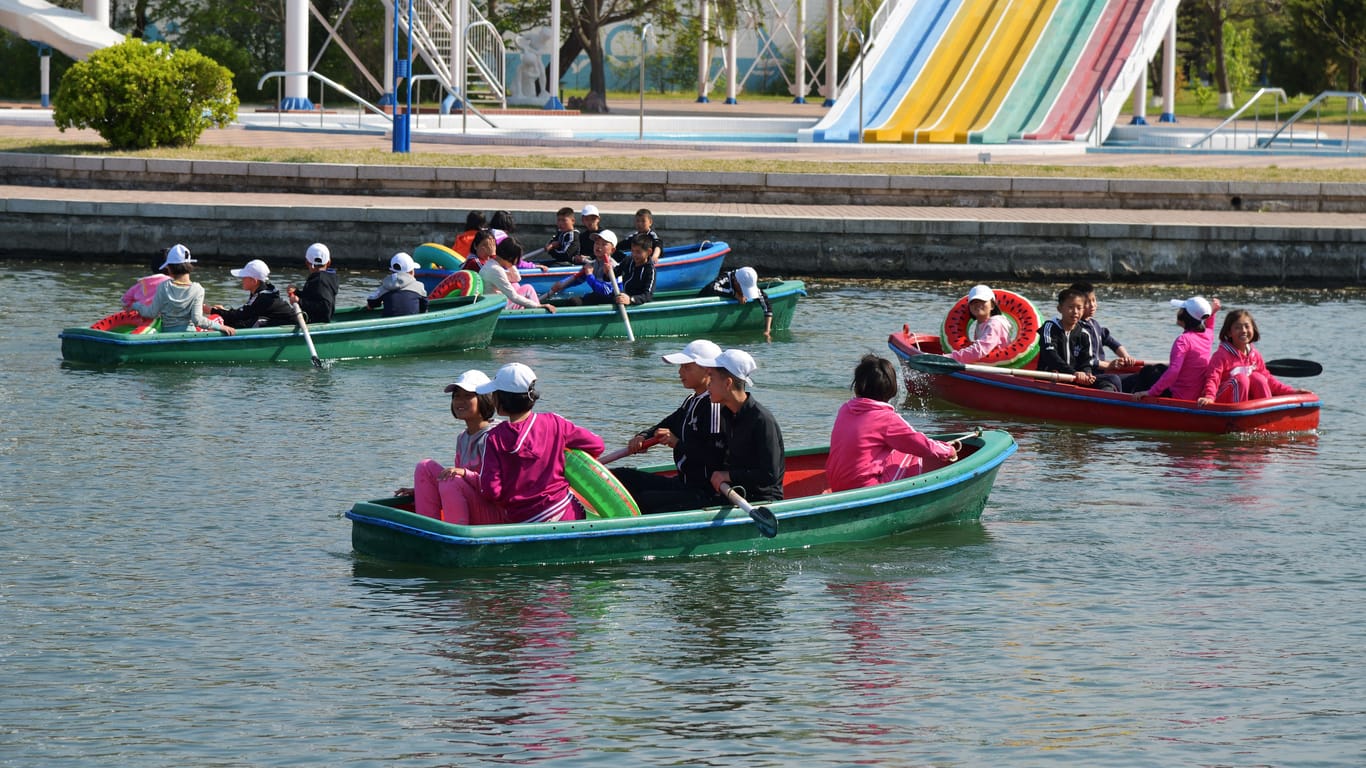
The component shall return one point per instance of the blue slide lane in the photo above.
(907, 47)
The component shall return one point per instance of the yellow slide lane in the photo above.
(972, 72)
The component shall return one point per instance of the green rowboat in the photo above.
(449, 324)
(956, 492)
(681, 313)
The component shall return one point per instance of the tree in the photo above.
(139, 95)
(1211, 18)
(1341, 23)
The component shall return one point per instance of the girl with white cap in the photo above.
(452, 493)
(992, 328)
(523, 472)
(1184, 374)
(179, 302)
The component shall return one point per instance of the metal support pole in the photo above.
(644, 32)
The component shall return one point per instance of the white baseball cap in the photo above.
(402, 262)
(470, 381)
(255, 268)
(700, 349)
(736, 361)
(608, 235)
(177, 254)
(748, 280)
(981, 293)
(513, 377)
(590, 210)
(1195, 306)
(318, 255)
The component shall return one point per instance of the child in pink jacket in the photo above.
(523, 470)
(871, 443)
(1189, 358)
(1236, 372)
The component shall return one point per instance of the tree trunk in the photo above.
(1221, 69)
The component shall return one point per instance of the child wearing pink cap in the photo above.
(523, 470)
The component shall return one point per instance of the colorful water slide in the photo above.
(70, 32)
(969, 72)
(1126, 38)
(894, 59)
(1041, 81)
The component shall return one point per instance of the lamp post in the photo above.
(644, 31)
(403, 69)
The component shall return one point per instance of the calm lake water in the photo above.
(178, 586)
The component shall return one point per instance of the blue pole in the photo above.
(403, 71)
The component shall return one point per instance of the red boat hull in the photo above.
(1050, 401)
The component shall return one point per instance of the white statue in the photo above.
(527, 86)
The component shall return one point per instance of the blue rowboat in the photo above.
(681, 268)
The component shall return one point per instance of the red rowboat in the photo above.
(1052, 401)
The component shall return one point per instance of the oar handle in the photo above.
(608, 458)
(308, 337)
(616, 291)
(763, 517)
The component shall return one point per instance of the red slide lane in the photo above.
(1099, 66)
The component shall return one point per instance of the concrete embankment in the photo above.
(56, 206)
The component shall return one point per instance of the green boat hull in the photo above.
(670, 314)
(954, 493)
(456, 323)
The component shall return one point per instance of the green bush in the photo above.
(140, 95)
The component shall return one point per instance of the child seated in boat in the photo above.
(265, 306)
(746, 448)
(318, 298)
(1065, 343)
(179, 302)
(1184, 374)
(497, 272)
(146, 287)
(870, 443)
(523, 471)
(743, 285)
(608, 282)
(645, 225)
(452, 493)
(1236, 371)
(401, 293)
(1101, 338)
(564, 247)
(992, 329)
(464, 242)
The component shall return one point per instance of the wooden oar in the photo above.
(1293, 369)
(941, 364)
(763, 517)
(611, 456)
(308, 338)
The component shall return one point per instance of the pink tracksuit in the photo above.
(523, 470)
(872, 444)
(1234, 377)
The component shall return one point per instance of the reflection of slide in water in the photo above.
(68, 31)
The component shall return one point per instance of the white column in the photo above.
(296, 55)
(460, 18)
(387, 99)
(45, 76)
(1169, 76)
(703, 51)
(97, 10)
(554, 85)
(732, 39)
(832, 50)
(799, 82)
(1140, 98)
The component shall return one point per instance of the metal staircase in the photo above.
(434, 39)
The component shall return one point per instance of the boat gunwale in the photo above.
(707, 250)
(958, 474)
(777, 289)
(465, 310)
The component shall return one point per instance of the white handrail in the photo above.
(343, 90)
(1280, 99)
(1314, 102)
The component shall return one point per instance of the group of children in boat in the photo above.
(512, 471)
(171, 295)
(1074, 342)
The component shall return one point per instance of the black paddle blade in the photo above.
(1294, 369)
(934, 364)
(765, 521)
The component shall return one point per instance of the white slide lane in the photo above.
(68, 31)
